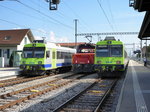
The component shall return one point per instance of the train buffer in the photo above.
(135, 93)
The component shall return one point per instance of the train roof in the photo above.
(110, 38)
(86, 45)
(49, 45)
(110, 42)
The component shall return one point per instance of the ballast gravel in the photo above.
(12, 88)
(51, 100)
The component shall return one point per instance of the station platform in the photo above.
(9, 72)
(135, 93)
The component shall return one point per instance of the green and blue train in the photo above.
(44, 58)
(110, 57)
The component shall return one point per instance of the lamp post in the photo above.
(146, 51)
(145, 58)
(141, 50)
(76, 20)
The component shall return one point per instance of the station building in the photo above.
(11, 45)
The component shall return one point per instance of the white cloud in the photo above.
(17, 28)
(38, 38)
(41, 31)
(52, 37)
(55, 39)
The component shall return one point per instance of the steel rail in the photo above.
(74, 99)
(105, 96)
(31, 94)
(10, 82)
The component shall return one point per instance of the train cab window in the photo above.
(47, 54)
(27, 52)
(33, 52)
(116, 51)
(102, 51)
(39, 52)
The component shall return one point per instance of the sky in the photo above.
(94, 16)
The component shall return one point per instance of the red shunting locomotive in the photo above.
(83, 60)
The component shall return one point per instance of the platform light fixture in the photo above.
(53, 4)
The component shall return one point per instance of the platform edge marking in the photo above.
(139, 99)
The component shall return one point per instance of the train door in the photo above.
(53, 58)
(17, 58)
(6, 55)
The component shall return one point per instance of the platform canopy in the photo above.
(143, 5)
(144, 33)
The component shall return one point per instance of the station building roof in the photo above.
(14, 36)
(143, 5)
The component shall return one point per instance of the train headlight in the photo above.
(99, 62)
(118, 62)
(39, 62)
(76, 61)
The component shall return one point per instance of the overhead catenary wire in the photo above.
(70, 27)
(16, 24)
(63, 15)
(41, 7)
(67, 26)
(111, 13)
(10, 22)
(85, 25)
(20, 12)
(105, 15)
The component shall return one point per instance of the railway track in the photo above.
(90, 99)
(18, 80)
(16, 97)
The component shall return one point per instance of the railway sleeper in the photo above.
(91, 104)
(75, 110)
(83, 107)
(89, 101)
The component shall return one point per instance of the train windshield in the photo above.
(86, 50)
(102, 51)
(116, 50)
(33, 52)
(109, 50)
(39, 52)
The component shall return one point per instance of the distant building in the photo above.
(70, 45)
(13, 40)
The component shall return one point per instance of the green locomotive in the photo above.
(110, 57)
